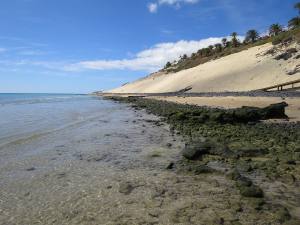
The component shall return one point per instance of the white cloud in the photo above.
(150, 59)
(153, 7)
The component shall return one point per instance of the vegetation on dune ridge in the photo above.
(277, 35)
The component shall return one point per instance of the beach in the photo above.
(115, 163)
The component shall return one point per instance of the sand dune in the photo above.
(244, 71)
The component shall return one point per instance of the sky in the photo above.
(81, 46)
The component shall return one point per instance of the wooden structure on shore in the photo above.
(288, 86)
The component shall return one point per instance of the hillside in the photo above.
(251, 69)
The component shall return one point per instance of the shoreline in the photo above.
(252, 154)
(231, 102)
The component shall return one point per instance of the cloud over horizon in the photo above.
(149, 60)
(153, 6)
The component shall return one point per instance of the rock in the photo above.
(234, 175)
(285, 56)
(194, 150)
(274, 111)
(292, 222)
(246, 186)
(222, 150)
(170, 166)
(251, 191)
(252, 152)
(292, 50)
(243, 181)
(126, 188)
(169, 145)
(282, 214)
(199, 169)
(257, 203)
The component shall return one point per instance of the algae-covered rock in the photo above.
(194, 150)
(245, 185)
(282, 214)
(252, 191)
(252, 151)
(257, 203)
(275, 111)
(200, 169)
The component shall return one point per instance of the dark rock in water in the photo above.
(252, 191)
(169, 145)
(244, 166)
(283, 214)
(234, 175)
(199, 169)
(126, 188)
(222, 150)
(30, 169)
(257, 203)
(246, 186)
(252, 152)
(170, 166)
(194, 150)
(243, 181)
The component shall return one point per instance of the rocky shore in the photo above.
(262, 159)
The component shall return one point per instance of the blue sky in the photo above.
(79, 46)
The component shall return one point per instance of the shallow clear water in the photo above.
(72, 159)
(25, 115)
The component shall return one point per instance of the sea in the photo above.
(80, 159)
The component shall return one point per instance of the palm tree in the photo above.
(252, 35)
(294, 23)
(275, 29)
(297, 6)
(218, 47)
(235, 41)
(168, 65)
(224, 42)
(184, 57)
(207, 52)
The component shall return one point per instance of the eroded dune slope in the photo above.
(251, 69)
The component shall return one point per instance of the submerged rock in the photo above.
(126, 188)
(246, 186)
(200, 169)
(195, 150)
(170, 166)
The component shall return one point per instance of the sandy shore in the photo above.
(293, 110)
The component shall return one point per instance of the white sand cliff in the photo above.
(244, 71)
